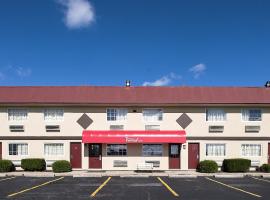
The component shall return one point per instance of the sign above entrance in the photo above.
(123, 137)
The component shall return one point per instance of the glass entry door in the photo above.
(174, 156)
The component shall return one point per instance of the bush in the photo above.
(207, 166)
(33, 164)
(265, 168)
(6, 166)
(61, 166)
(236, 165)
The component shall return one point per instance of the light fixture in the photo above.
(267, 84)
(127, 83)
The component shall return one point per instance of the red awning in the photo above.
(123, 137)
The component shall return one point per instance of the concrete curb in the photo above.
(182, 176)
(265, 175)
(229, 176)
(38, 175)
(86, 175)
(134, 176)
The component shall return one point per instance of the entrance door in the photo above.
(193, 155)
(76, 155)
(268, 153)
(0, 150)
(95, 156)
(174, 156)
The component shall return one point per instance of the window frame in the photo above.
(51, 121)
(209, 108)
(225, 150)
(18, 143)
(258, 121)
(153, 121)
(118, 153)
(241, 153)
(53, 143)
(162, 151)
(17, 121)
(117, 120)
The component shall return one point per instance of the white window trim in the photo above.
(18, 143)
(216, 144)
(205, 111)
(49, 156)
(251, 156)
(242, 109)
(51, 122)
(116, 155)
(123, 122)
(162, 153)
(153, 122)
(19, 122)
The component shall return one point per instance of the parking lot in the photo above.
(158, 188)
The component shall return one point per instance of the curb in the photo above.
(183, 176)
(229, 176)
(38, 175)
(134, 176)
(86, 175)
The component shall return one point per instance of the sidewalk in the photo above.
(172, 174)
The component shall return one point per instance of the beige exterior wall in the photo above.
(234, 126)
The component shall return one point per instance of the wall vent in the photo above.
(252, 129)
(216, 129)
(16, 128)
(52, 128)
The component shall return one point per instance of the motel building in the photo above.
(129, 128)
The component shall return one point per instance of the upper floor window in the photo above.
(152, 115)
(213, 114)
(52, 114)
(252, 115)
(17, 114)
(251, 149)
(20, 149)
(215, 150)
(116, 114)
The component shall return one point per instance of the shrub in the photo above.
(33, 164)
(265, 168)
(236, 165)
(6, 166)
(61, 166)
(207, 166)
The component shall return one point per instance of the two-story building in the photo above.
(116, 128)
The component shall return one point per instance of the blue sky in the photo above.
(150, 42)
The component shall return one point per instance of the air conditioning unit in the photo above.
(216, 129)
(116, 127)
(52, 128)
(152, 127)
(16, 128)
(252, 129)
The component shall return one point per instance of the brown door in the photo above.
(174, 156)
(268, 153)
(95, 156)
(76, 154)
(0, 150)
(193, 155)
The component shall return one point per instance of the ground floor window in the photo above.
(215, 149)
(18, 149)
(152, 150)
(54, 149)
(251, 149)
(116, 149)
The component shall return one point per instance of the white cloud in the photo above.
(198, 70)
(163, 81)
(23, 72)
(78, 13)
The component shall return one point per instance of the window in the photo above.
(17, 114)
(213, 115)
(152, 115)
(152, 127)
(18, 149)
(251, 149)
(53, 114)
(215, 150)
(116, 114)
(252, 115)
(54, 149)
(152, 150)
(116, 149)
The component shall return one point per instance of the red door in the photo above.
(76, 154)
(95, 156)
(0, 150)
(174, 156)
(268, 153)
(193, 155)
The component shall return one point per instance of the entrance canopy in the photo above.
(123, 137)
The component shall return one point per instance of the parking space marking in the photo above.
(168, 187)
(7, 178)
(34, 187)
(235, 188)
(100, 187)
(261, 179)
